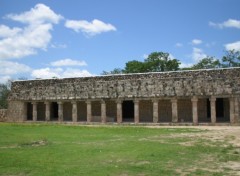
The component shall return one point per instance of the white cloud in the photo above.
(60, 46)
(90, 28)
(5, 31)
(26, 42)
(230, 23)
(45, 73)
(171, 56)
(38, 15)
(10, 68)
(198, 54)
(21, 42)
(68, 62)
(4, 79)
(178, 45)
(211, 44)
(233, 46)
(69, 72)
(196, 41)
(145, 56)
(185, 65)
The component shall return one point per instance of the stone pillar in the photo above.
(174, 110)
(232, 112)
(89, 111)
(195, 110)
(60, 111)
(119, 111)
(155, 110)
(103, 112)
(47, 111)
(236, 108)
(74, 111)
(136, 111)
(34, 111)
(213, 109)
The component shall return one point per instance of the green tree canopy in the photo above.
(155, 62)
(160, 62)
(207, 63)
(231, 59)
(4, 92)
(135, 66)
(114, 71)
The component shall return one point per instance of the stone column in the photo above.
(60, 111)
(174, 110)
(119, 111)
(232, 112)
(236, 109)
(89, 111)
(155, 110)
(47, 111)
(213, 109)
(103, 112)
(74, 111)
(34, 111)
(136, 111)
(195, 110)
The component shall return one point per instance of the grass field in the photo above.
(55, 149)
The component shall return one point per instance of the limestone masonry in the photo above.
(181, 96)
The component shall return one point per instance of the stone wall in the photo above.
(82, 111)
(165, 110)
(201, 83)
(185, 110)
(3, 115)
(146, 111)
(167, 88)
(17, 111)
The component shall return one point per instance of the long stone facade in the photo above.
(200, 96)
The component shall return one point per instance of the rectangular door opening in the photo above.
(128, 111)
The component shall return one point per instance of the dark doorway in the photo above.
(54, 111)
(128, 110)
(219, 108)
(208, 109)
(29, 111)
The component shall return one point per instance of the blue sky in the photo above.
(50, 38)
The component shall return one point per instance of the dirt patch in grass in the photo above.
(227, 137)
(227, 134)
(234, 166)
(37, 143)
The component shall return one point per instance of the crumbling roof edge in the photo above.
(128, 74)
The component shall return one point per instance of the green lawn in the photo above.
(55, 149)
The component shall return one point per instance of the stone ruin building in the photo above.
(199, 96)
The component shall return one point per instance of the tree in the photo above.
(135, 67)
(4, 92)
(160, 62)
(113, 72)
(231, 59)
(155, 62)
(207, 63)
